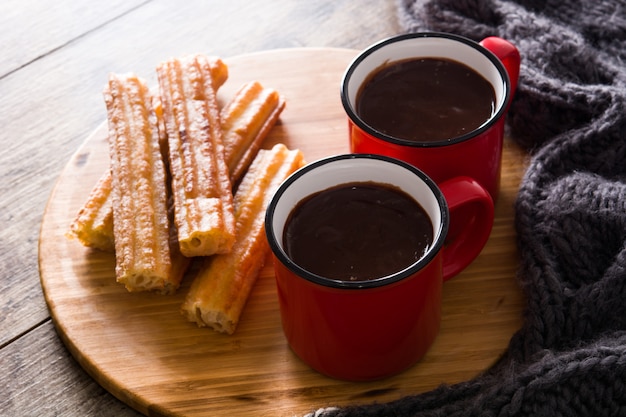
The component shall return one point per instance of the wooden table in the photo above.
(55, 62)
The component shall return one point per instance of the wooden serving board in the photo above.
(140, 348)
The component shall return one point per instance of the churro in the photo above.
(143, 246)
(246, 121)
(93, 225)
(222, 286)
(201, 186)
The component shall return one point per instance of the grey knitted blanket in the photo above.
(569, 357)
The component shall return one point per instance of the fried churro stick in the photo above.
(143, 250)
(93, 226)
(201, 184)
(246, 121)
(222, 286)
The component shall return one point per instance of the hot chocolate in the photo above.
(425, 99)
(357, 231)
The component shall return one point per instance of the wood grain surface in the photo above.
(141, 349)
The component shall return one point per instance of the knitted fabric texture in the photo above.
(569, 112)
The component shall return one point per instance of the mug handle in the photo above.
(471, 219)
(509, 56)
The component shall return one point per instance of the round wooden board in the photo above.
(143, 351)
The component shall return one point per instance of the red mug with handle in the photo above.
(477, 153)
(370, 329)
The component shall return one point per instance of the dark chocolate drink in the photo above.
(357, 231)
(425, 99)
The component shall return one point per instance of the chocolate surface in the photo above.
(425, 99)
(357, 231)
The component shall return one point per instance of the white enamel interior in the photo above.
(341, 171)
(425, 47)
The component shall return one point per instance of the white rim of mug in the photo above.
(277, 248)
(348, 107)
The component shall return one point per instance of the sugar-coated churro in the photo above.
(223, 284)
(200, 180)
(246, 121)
(143, 244)
(93, 225)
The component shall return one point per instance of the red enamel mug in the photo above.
(476, 154)
(371, 329)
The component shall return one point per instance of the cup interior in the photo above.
(425, 45)
(341, 169)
